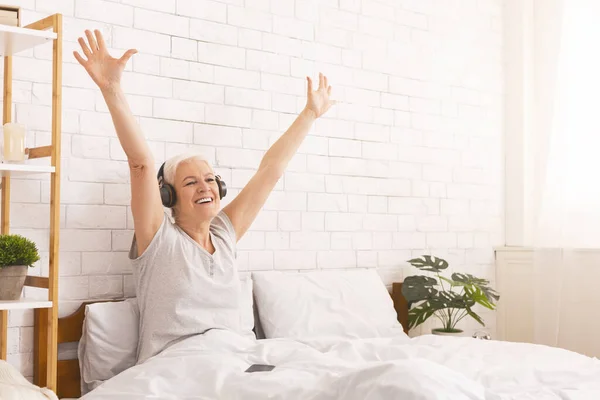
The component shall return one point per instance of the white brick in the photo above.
(343, 147)
(215, 135)
(426, 106)
(266, 120)
(250, 39)
(228, 115)
(283, 7)
(75, 192)
(283, 84)
(238, 158)
(409, 240)
(256, 139)
(293, 28)
(304, 182)
(363, 97)
(30, 215)
(379, 151)
(237, 77)
(442, 240)
(343, 222)
(339, 19)
(262, 5)
(143, 41)
(432, 223)
(213, 32)
(284, 103)
(392, 258)
(84, 240)
(161, 22)
(173, 68)
(341, 241)
(179, 110)
(247, 98)
(377, 204)
(411, 19)
(409, 206)
(336, 259)
(104, 263)
(202, 72)
(147, 85)
(437, 173)
(428, 155)
(99, 171)
(163, 130)
(104, 287)
(121, 240)
(372, 132)
(184, 48)
(471, 175)
(203, 9)
(306, 10)
(158, 5)
(277, 240)
(357, 203)
(78, 99)
(93, 217)
(289, 220)
(265, 221)
(352, 58)
(90, 146)
(353, 112)
(28, 69)
(290, 259)
(309, 241)
(260, 260)
(322, 53)
(393, 101)
(198, 92)
(313, 221)
(282, 201)
(327, 202)
(267, 62)
(145, 64)
(172, 149)
(117, 194)
(104, 11)
(378, 10)
(248, 18)
(252, 241)
(384, 223)
(376, 27)
(219, 54)
(25, 191)
(333, 36)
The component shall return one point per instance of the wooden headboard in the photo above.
(70, 330)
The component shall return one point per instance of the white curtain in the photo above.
(563, 150)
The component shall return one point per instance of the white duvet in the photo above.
(211, 366)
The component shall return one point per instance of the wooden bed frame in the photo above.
(70, 330)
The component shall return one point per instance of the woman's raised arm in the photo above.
(106, 71)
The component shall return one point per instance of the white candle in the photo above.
(14, 142)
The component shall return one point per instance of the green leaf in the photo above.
(420, 314)
(17, 250)
(474, 316)
(418, 288)
(451, 282)
(429, 263)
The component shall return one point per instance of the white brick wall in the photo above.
(407, 162)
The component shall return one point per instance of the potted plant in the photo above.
(449, 300)
(16, 254)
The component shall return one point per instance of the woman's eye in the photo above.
(190, 183)
(210, 180)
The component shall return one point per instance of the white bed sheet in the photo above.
(211, 366)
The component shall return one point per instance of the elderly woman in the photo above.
(185, 274)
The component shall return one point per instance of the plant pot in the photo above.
(442, 332)
(12, 280)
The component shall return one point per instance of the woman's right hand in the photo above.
(104, 69)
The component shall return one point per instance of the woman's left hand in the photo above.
(319, 101)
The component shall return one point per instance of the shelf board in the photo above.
(24, 169)
(24, 304)
(14, 39)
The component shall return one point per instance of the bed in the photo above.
(333, 364)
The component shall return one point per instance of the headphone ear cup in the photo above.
(167, 195)
(222, 187)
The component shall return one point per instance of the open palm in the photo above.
(319, 101)
(104, 69)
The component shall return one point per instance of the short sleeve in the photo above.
(222, 224)
(154, 243)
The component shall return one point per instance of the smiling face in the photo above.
(197, 191)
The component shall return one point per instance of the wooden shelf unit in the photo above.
(13, 40)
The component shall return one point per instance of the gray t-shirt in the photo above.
(182, 289)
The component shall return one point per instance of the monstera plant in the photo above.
(448, 299)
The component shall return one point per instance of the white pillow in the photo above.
(109, 340)
(341, 304)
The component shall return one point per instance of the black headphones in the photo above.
(167, 192)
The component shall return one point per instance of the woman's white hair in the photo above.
(172, 163)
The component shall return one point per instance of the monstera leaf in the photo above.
(418, 288)
(477, 289)
(429, 263)
(420, 314)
